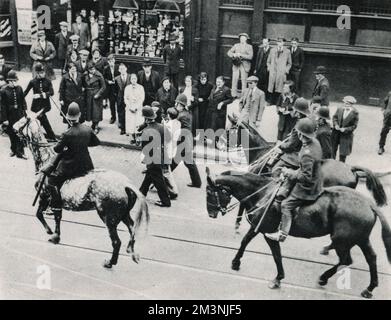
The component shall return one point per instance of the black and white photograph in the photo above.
(214, 151)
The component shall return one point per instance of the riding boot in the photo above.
(286, 222)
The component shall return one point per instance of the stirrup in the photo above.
(278, 236)
(52, 211)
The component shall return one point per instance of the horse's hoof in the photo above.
(55, 239)
(235, 265)
(136, 258)
(366, 294)
(275, 284)
(322, 282)
(49, 232)
(107, 264)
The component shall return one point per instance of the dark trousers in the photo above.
(54, 185)
(16, 145)
(121, 115)
(193, 172)
(48, 128)
(335, 139)
(174, 78)
(154, 175)
(385, 131)
(113, 101)
(295, 77)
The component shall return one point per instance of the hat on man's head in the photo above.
(95, 50)
(91, 65)
(39, 67)
(148, 113)
(320, 70)
(84, 52)
(323, 112)
(252, 79)
(181, 99)
(302, 106)
(155, 104)
(2, 77)
(12, 76)
(63, 24)
(244, 34)
(317, 99)
(166, 78)
(172, 112)
(350, 100)
(172, 38)
(147, 63)
(73, 113)
(306, 127)
(41, 33)
(74, 37)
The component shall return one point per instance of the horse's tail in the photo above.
(373, 184)
(143, 211)
(385, 231)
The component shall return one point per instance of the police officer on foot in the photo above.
(155, 157)
(301, 186)
(73, 159)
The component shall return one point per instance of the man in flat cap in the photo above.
(43, 51)
(172, 54)
(241, 55)
(82, 63)
(150, 80)
(61, 43)
(345, 122)
(322, 86)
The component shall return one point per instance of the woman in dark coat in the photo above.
(166, 95)
(95, 89)
(192, 95)
(285, 103)
(204, 89)
(72, 90)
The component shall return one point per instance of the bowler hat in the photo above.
(12, 76)
(244, 34)
(306, 127)
(147, 63)
(181, 99)
(301, 105)
(320, 70)
(252, 79)
(148, 113)
(63, 24)
(73, 112)
(323, 112)
(350, 100)
(39, 67)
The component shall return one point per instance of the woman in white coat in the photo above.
(134, 98)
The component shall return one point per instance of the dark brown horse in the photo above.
(343, 213)
(335, 173)
(110, 193)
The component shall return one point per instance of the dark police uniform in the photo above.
(155, 157)
(323, 134)
(72, 90)
(75, 158)
(13, 108)
(40, 86)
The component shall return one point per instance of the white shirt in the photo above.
(174, 127)
(188, 93)
(346, 112)
(134, 96)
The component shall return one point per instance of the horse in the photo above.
(341, 212)
(335, 173)
(110, 193)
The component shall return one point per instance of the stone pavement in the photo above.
(364, 150)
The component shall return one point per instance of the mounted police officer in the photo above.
(73, 158)
(301, 186)
(290, 148)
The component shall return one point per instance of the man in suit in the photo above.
(82, 64)
(386, 123)
(110, 72)
(155, 157)
(322, 87)
(252, 104)
(74, 158)
(150, 80)
(73, 46)
(278, 64)
(61, 43)
(260, 69)
(13, 108)
(121, 82)
(297, 63)
(345, 122)
(172, 54)
(43, 52)
(4, 69)
(81, 29)
(323, 131)
(241, 55)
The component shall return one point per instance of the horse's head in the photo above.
(30, 130)
(218, 197)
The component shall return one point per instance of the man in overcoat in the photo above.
(172, 54)
(322, 87)
(111, 71)
(150, 80)
(279, 64)
(297, 64)
(345, 122)
(121, 82)
(323, 131)
(43, 51)
(260, 69)
(81, 29)
(61, 43)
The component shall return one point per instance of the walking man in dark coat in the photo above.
(42, 91)
(13, 108)
(322, 86)
(323, 132)
(121, 82)
(61, 43)
(150, 80)
(303, 185)
(386, 123)
(172, 54)
(155, 157)
(297, 64)
(110, 72)
(74, 158)
(72, 90)
(260, 69)
(166, 95)
(345, 122)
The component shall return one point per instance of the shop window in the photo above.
(375, 7)
(285, 25)
(143, 27)
(241, 3)
(288, 4)
(326, 5)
